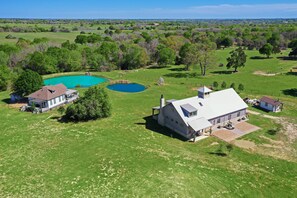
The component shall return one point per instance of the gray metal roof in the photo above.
(170, 101)
(199, 124)
(189, 108)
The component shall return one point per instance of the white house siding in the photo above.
(225, 118)
(268, 106)
(173, 121)
(56, 101)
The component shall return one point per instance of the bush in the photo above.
(232, 86)
(9, 36)
(93, 105)
(223, 85)
(215, 84)
(240, 87)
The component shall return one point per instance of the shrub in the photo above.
(223, 85)
(93, 105)
(240, 87)
(215, 84)
(232, 86)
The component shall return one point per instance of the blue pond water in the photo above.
(128, 88)
(74, 81)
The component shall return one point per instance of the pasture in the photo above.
(129, 155)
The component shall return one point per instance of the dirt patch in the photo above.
(261, 73)
(214, 143)
(245, 144)
(273, 141)
(17, 105)
(225, 135)
(289, 129)
(246, 127)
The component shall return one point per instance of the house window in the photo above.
(192, 114)
(60, 98)
(54, 100)
(219, 121)
(266, 104)
(238, 114)
(51, 101)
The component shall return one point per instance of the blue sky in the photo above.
(148, 9)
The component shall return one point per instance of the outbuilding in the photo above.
(270, 104)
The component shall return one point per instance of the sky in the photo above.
(148, 9)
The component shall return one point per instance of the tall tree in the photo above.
(237, 59)
(166, 56)
(267, 50)
(206, 57)
(41, 63)
(134, 57)
(198, 54)
(28, 82)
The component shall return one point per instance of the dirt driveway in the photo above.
(241, 129)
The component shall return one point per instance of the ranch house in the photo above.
(199, 115)
(49, 97)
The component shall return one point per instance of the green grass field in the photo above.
(129, 155)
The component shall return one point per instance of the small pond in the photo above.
(128, 88)
(75, 81)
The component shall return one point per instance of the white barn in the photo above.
(192, 117)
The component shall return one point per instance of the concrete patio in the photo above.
(240, 130)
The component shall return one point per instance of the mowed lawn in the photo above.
(129, 155)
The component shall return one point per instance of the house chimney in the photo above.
(162, 101)
(161, 119)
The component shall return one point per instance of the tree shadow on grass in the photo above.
(290, 92)
(178, 69)
(220, 154)
(259, 58)
(182, 75)
(287, 58)
(153, 126)
(157, 67)
(222, 72)
(292, 73)
(6, 100)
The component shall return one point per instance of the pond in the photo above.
(128, 88)
(75, 81)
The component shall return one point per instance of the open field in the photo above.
(129, 154)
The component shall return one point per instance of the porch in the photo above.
(71, 95)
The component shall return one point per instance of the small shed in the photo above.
(270, 104)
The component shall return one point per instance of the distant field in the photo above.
(57, 37)
(129, 154)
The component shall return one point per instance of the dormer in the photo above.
(189, 110)
(204, 92)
